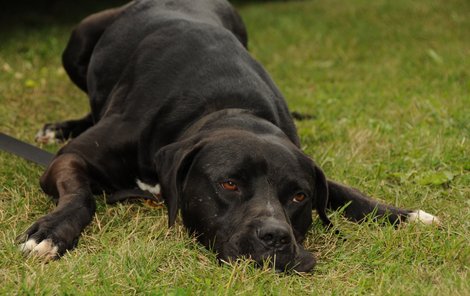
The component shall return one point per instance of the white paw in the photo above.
(423, 217)
(46, 136)
(45, 249)
(154, 189)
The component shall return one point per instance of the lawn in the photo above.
(388, 86)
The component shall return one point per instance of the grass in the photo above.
(388, 84)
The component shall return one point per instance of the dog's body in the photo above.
(176, 99)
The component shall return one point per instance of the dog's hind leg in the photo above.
(358, 206)
(61, 131)
(83, 39)
(52, 235)
(75, 59)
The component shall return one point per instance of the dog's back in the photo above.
(162, 38)
(159, 66)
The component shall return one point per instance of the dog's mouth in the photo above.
(291, 257)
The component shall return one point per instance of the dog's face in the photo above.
(245, 195)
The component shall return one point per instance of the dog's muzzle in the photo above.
(269, 241)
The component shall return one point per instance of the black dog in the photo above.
(177, 100)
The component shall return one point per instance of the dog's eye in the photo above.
(299, 197)
(229, 185)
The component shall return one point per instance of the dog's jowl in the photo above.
(177, 100)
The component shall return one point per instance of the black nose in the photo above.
(274, 235)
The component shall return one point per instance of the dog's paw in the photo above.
(46, 249)
(47, 135)
(50, 237)
(423, 217)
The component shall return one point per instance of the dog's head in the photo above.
(244, 194)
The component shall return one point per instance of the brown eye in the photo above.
(299, 197)
(229, 185)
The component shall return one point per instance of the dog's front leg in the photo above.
(67, 181)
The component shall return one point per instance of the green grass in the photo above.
(389, 85)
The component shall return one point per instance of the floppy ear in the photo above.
(321, 195)
(172, 164)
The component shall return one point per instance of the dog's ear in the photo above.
(321, 195)
(172, 164)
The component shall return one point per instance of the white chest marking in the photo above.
(154, 189)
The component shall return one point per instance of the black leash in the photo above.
(25, 150)
(44, 158)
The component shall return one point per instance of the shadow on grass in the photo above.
(34, 13)
(30, 14)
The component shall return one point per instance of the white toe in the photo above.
(423, 217)
(46, 136)
(46, 249)
(28, 246)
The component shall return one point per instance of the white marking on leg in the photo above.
(154, 189)
(423, 217)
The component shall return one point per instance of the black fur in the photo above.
(176, 99)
